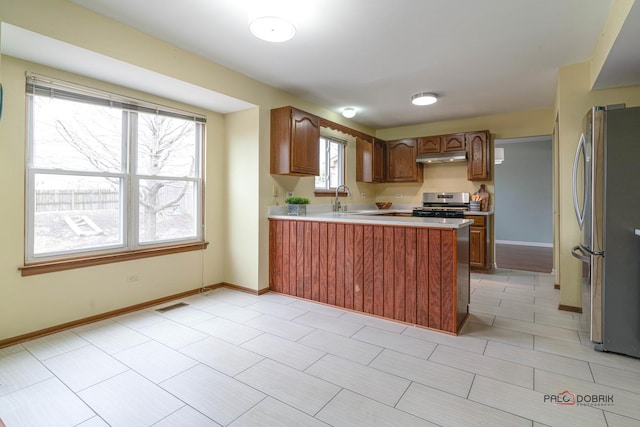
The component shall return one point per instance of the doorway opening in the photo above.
(524, 204)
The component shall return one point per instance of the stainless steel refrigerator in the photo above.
(606, 198)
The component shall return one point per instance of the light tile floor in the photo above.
(231, 358)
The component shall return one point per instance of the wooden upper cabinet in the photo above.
(295, 142)
(401, 161)
(429, 144)
(364, 160)
(379, 160)
(370, 158)
(441, 143)
(453, 142)
(478, 156)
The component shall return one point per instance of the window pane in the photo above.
(331, 165)
(167, 210)
(76, 137)
(321, 181)
(74, 213)
(166, 146)
(335, 164)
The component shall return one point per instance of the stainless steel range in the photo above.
(443, 205)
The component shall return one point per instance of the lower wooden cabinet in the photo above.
(418, 275)
(480, 243)
(478, 247)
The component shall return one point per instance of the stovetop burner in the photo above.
(438, 212)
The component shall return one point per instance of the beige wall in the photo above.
(241, 167)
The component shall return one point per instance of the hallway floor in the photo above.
(527, 258)
(232, 358)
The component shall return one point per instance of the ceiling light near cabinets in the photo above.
(424, 98)
(349, 112)
(272, 29)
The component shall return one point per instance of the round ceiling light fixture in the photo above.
(349, 112)
(272, 29)
(424, 98)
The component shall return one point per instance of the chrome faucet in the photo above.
(336, 204)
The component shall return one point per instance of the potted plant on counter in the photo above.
(297, 206)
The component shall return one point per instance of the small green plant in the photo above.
(297, 201)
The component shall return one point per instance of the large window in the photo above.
(108, 174)
(331, 164)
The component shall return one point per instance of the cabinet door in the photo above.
(305, 143)
(453, 142)
(379, 160)
(364, 160)
(477, 245)
(401, 161)
(429, 144)
(295, 142)
(479, 156)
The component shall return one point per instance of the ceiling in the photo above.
(480, 57)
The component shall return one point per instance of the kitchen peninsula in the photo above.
(410, 269)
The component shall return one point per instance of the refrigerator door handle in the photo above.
(574, 187)
(579, 253)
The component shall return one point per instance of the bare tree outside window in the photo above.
(166, 147)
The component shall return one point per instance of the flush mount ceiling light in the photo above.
(349, 112)
(272, 29)
(424, 98)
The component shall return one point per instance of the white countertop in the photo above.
(376, 217)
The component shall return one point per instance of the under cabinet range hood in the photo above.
(452, 156)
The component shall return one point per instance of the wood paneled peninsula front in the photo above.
(414, 270)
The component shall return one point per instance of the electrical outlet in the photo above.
(133, 278)
(275, 191)
(399, 196)
(363, 195)
(289, 194)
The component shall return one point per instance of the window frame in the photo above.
(342, 169)
(132, 245)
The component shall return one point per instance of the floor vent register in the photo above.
(171, 307)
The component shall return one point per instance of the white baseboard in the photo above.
(513, 242)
